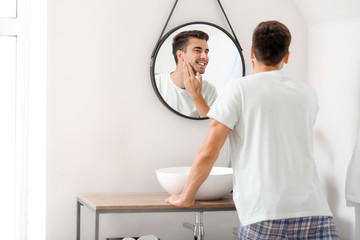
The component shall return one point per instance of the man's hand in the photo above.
(192, 84)
(177, 202)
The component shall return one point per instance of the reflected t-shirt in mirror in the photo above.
(179, 99)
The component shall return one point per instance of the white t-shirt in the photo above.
(272, 117)
(179, 99)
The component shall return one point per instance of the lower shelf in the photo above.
(121, 238)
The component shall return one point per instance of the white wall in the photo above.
(334, 70)
(107, 131)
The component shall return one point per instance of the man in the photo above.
(269, 117)
(184, 90)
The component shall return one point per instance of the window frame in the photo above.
(30, 123)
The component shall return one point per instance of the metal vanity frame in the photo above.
(102, 203)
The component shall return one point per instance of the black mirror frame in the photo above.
(157, 48)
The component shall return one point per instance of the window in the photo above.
(8, 9)
(7, 136)
(22, 118)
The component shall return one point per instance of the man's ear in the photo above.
(252, 55)
(286, 58)
(180, 55)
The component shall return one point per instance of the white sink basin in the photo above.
(218, 184)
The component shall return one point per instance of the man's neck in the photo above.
(260, 67)
(177, 78)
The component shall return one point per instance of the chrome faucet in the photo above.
(198, 227)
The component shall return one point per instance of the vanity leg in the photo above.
(96, 225)
(78, 223)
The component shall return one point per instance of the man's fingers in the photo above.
(190, 71)
(186, 71)
(199, 77)
(173, 199)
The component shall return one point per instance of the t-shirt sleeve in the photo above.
(228, 106)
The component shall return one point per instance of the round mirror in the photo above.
(222, 61)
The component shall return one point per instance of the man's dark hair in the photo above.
(181, 40)
(271, 42)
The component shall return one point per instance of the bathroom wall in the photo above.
(107, 131)
(333, 70)
(336, 77)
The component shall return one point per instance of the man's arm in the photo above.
(202, 164)
(194, 85)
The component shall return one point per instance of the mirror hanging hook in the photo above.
(222, 9)
(162, 32)
(167, 21)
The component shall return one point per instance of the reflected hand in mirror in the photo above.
(194, 86)
(183, 89)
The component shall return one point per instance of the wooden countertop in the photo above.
(145, 201)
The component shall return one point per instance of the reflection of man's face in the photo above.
(197, 54)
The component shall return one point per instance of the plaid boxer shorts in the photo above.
(304, 228)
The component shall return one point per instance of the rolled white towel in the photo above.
(148, 237)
